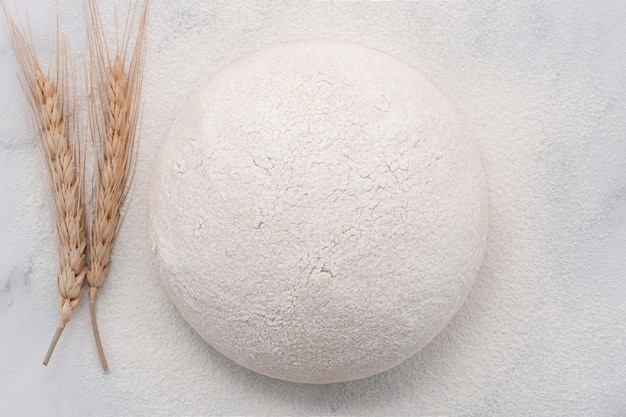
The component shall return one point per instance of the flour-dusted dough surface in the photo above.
(319, 212)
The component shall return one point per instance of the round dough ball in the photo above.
(319, 212)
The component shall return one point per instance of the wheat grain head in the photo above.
(115, 86)
(49, 100)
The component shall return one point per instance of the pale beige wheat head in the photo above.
(48, 101)
(115, 84)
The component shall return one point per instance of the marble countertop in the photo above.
(543, 89)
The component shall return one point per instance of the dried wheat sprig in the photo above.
(115, 84)
(48, 101)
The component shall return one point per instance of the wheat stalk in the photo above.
(115, 84)
(48, 101)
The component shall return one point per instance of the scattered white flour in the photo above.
(319, 212)
(541, 88)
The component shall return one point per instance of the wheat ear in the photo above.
(115, 84)
(48, 101)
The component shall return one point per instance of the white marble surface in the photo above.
(543, 88)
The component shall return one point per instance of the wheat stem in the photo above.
(53, 344)
(94, 325)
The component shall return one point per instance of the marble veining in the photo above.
(542, 332)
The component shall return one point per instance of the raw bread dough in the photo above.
(319, 212)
